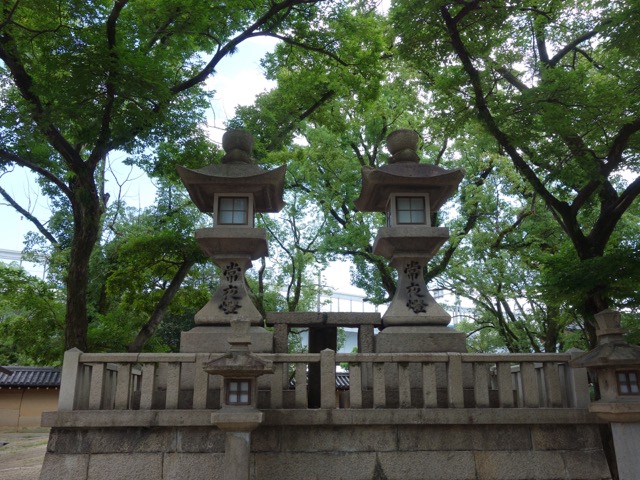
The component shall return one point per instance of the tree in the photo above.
(31, 319)
(79, 80)
(558, 93)
(345, 133)
(145, 265)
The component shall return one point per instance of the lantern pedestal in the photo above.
(231, 249)
(420, 339)
(414, 322)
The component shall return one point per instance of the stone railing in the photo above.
(377, 381)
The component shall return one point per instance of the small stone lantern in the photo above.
(234, 191)
(239, 415)
(240, 369)
(408, 193)
(616, 364)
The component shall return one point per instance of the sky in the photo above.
(237, 81)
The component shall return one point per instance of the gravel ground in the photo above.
(21, 455)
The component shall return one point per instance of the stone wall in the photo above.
(334, 451)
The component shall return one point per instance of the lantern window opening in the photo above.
(408, 209)
(238, 392)
(234, 210)
(628, 382)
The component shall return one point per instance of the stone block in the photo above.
(332, 439)
(139, 466)
(565, 437)
(590, 465)
(427, 466)
(307, 319)
(314, 466)
(464, 437)
(129, 440)
(193, 466)
(199, 440)
(68, 441)
(520, 465)
(420, 340)
(64, 467)
(266, 439)
(213, 339)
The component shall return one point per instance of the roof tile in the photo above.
(30, 377)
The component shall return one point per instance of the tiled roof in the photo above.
(30, 377)
(342, 380)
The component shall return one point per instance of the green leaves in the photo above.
(550, 87)
(31, 320)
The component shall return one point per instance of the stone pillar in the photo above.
(626, 438)
(238, 425)
(231, 297)
(237, 450)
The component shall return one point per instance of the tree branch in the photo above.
(25, 213)
(568, 220)
(619, 144)
(10, 56)
(611, 213)
(512, 79)
(295, 43)
(102, 144)
(161, 307)
(12, 157)
(471, 222)
(9, 14)
(572, 45)
(251, 31)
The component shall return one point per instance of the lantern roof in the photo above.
(612, 349)
(379, 183)
(239, 362)
(236, 174)
(404, 174)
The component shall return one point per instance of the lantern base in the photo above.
(214, 339)
(420, 339)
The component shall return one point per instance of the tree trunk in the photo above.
(86, 231)
(161, 308)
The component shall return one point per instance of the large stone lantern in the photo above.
(233, 191)
(409, 192)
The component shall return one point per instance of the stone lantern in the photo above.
(233, 191)
(409, 193)
(616, 365)
(240, 369)
(239, 415)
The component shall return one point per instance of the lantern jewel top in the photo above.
(236, 174)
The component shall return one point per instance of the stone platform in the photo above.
(438, 444)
